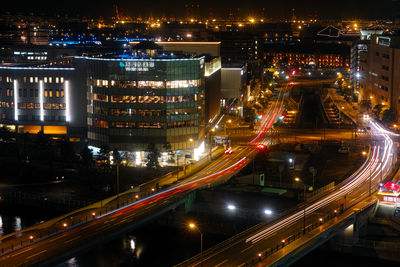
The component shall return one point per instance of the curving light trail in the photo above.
(380, 159)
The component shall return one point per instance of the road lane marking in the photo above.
(23, 251)
(219, 264)
(54, 239)
(43, 251)
(72, 239)
(246, 249)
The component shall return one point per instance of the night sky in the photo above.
(273, 9)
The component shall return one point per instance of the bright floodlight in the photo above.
(290, 160)
(231, 207)
(268, 212)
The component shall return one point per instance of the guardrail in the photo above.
(241, 236)
(316, 224)
(38, 232)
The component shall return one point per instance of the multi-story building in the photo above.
(123, 101)
(133, 102)
(318, 55)
(357, 52)
(380, 72)
(47, 98)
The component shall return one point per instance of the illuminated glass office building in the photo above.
(134, 102)
(125, 101)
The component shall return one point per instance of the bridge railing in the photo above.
(38, 232)
(241, 236)
(316, 224)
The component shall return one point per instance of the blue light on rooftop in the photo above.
(131, 40)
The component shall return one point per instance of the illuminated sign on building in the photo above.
(383, 40)
(137, 65)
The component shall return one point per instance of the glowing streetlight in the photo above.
(231, 207)
(298, 180)
(268, 212)
(193, 226)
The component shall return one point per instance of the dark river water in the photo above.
(151, 245)
(157, 245)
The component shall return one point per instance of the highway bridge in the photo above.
(327, 214)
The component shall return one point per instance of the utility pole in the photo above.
(177, 166)
(117, 184)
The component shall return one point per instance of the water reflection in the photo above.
(133, 248)
(17, 224)
(1, 226)
(133, 245)
(72, 262)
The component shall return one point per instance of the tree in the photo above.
(366, 105)
(104, 155)
(116, 156)
(67, 150)
(377, 110)
(152, 156)
(5, 134)
(168, 148)
(87, 156)
(389, 116)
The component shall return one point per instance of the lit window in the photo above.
(62, 79)
(50, 79)
(46, 93)
(36, 79)
(50, 93)
(31, 79)
(57, 80)
(45, 79)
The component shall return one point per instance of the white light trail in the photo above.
(371, 168)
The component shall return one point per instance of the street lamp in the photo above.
(193, 226)
(291, 163)
(298, 180)
(231, 207)
(268, 212)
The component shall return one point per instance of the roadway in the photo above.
(246, 246)
(41, 242)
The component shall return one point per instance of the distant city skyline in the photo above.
(367, 9)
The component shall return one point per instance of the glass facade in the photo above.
(132, 103)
